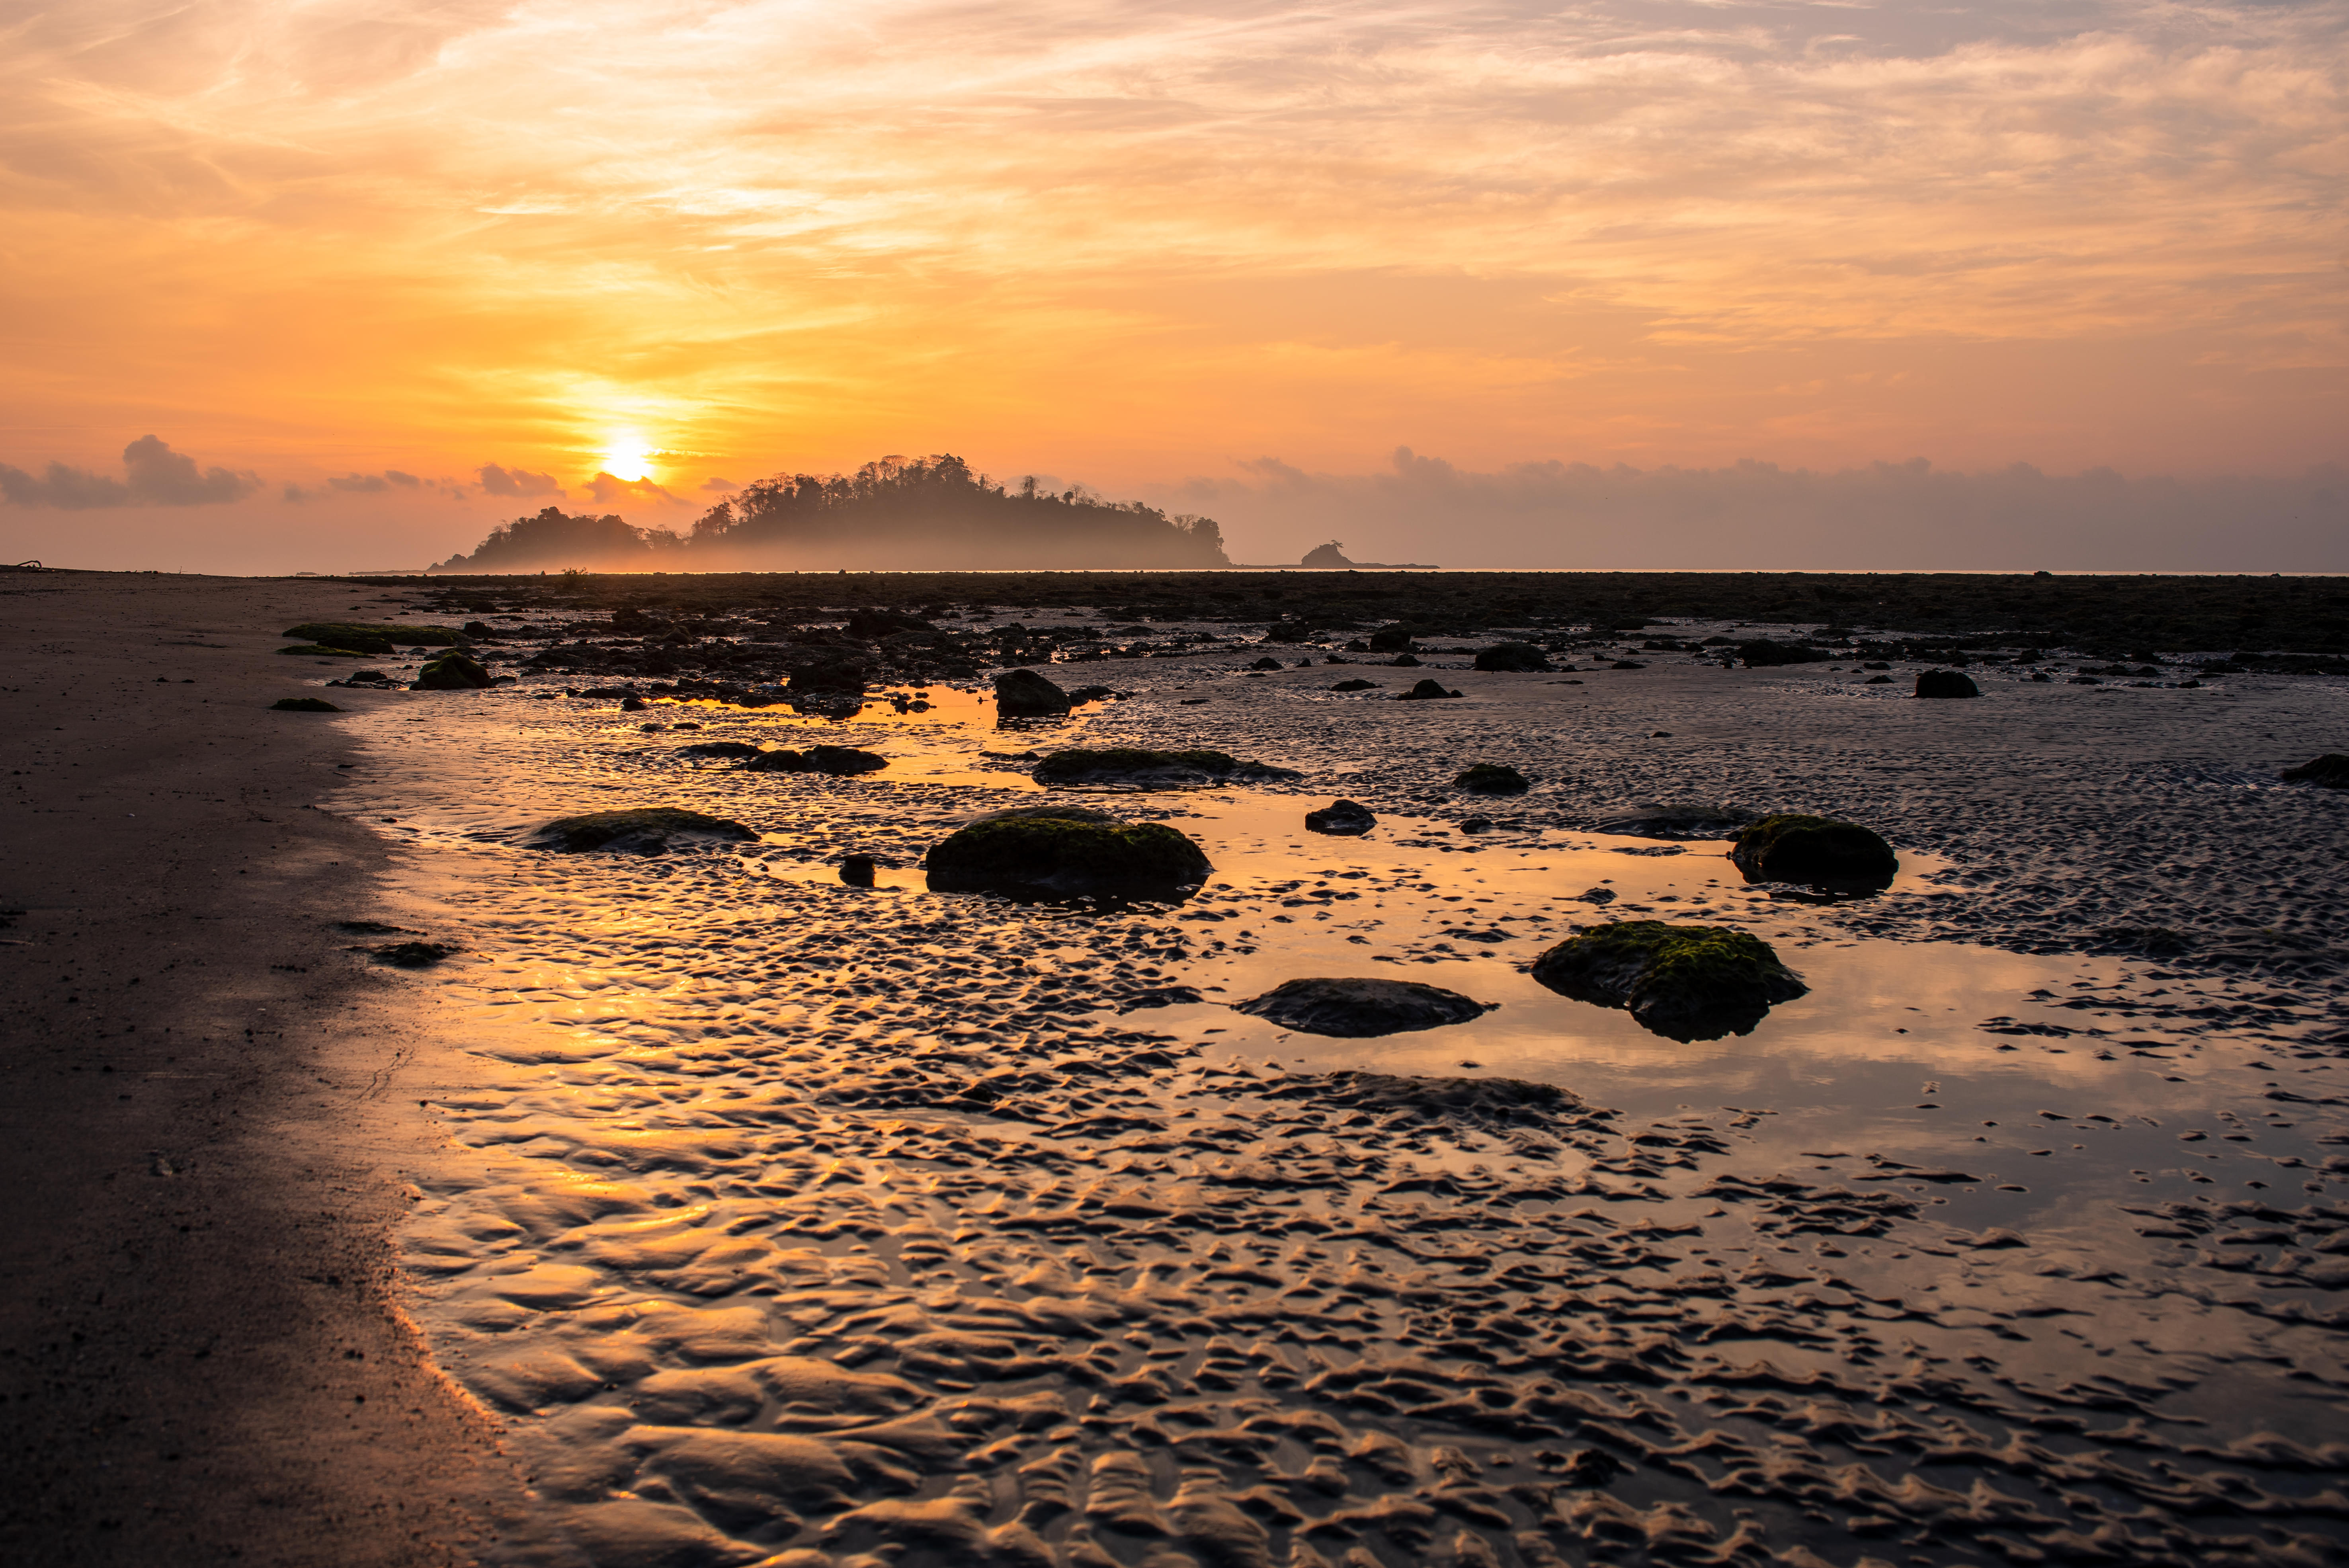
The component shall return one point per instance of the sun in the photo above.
(627, 458)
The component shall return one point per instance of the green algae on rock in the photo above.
(644, 831)
(1684, 982)
(1355, 1009)
(1068, 849)
(1133, 768)
(375, 637)
(452, 670)
(303, 704)
(1491, 779)
(1789, 846)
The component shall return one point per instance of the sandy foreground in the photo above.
(753, 1217)
(203, 1363)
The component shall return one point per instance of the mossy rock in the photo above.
(375, 636)
(317, 651)
(1133, 768)
(1341, 819)
(1683, 982)
(452, 670)
(1352, 1010)
(643, 831)
(303, 704)
(1066, 849)
(1492, 778)
(1523, 656)
(839, 760)
(2330, 771)
(1791, 846)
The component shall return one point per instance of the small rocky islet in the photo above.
(1030, 1286)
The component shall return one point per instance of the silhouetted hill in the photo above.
(927, 513)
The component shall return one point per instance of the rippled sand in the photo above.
(800, 1222)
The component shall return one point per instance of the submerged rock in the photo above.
(643, 831)
(2330, 771)
(1024, 694)
(452, 670)
(714, 750)
(1513, 656)
(1359, 1009)
(839, 760)
(1684, 982)
(1131, 767)
(1687, 820)
(1425, 691)
(1476, 1100)
(1341, 818)
(1791, 846)
(1946, 683)
(1491, 779)
(1067, 849)
(303, 704)
(413, 954)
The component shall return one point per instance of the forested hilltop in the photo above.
(929, 513)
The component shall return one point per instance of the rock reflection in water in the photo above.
(776, 1226)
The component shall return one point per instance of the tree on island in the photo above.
(921, 513)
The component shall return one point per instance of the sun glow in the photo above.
(627, 459)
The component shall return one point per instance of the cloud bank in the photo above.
(153, 475)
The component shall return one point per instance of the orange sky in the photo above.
(1139, 245)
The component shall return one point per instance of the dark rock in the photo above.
(1390, 640)
(1794, 848)
(632, 703)
(312, 651)
(452, 670)
(1475, 824)
(1355, 686)
(1425, 691)
(1491, 779)
(1627, 664)
(710, 750)
(829, 671)
(1597, 896)
(2330, 771)
(1763, 654)
(1513, 656)
(1091, 694)
(1161, 997)
(1685, 821)
(872, 624)
(1024, 694)
(1887, 680)
(1066, 849)
(1130, 767)
(842, 761)
(643, 831)
(1404, 662)
(373, 637)
(1359, 1009)
(1341, 819)
(1683, 982)
(1946, 683)
(1268, 665)
(857, 870)
(413, 954)
(303, 704)
(1485, 1099)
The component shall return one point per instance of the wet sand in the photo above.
(205, 1358)
(779, 1221)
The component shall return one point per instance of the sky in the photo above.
(328, 285)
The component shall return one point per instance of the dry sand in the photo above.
(202, 1360)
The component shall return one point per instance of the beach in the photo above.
(712, 1207)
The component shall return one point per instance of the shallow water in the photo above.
(789, 1216)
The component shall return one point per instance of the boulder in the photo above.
(842, 761)
(1131, 767)
(1341, 819)
(642, 830)
(857, 871)
(1024, 694)
(1356, 685)
(1268, 665)
(1791, 846)
(1946, 683)
(1391, 640)
(1683, 982)
(1683, 820)
(1425, 691)
(452, 670)
(1761, 654)
(1513, 656)
(1404, 662)
(1491, 779)
(2330, 771)
(1065, 849)
(373, 637)
(1359, 1009)
(303, 704)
